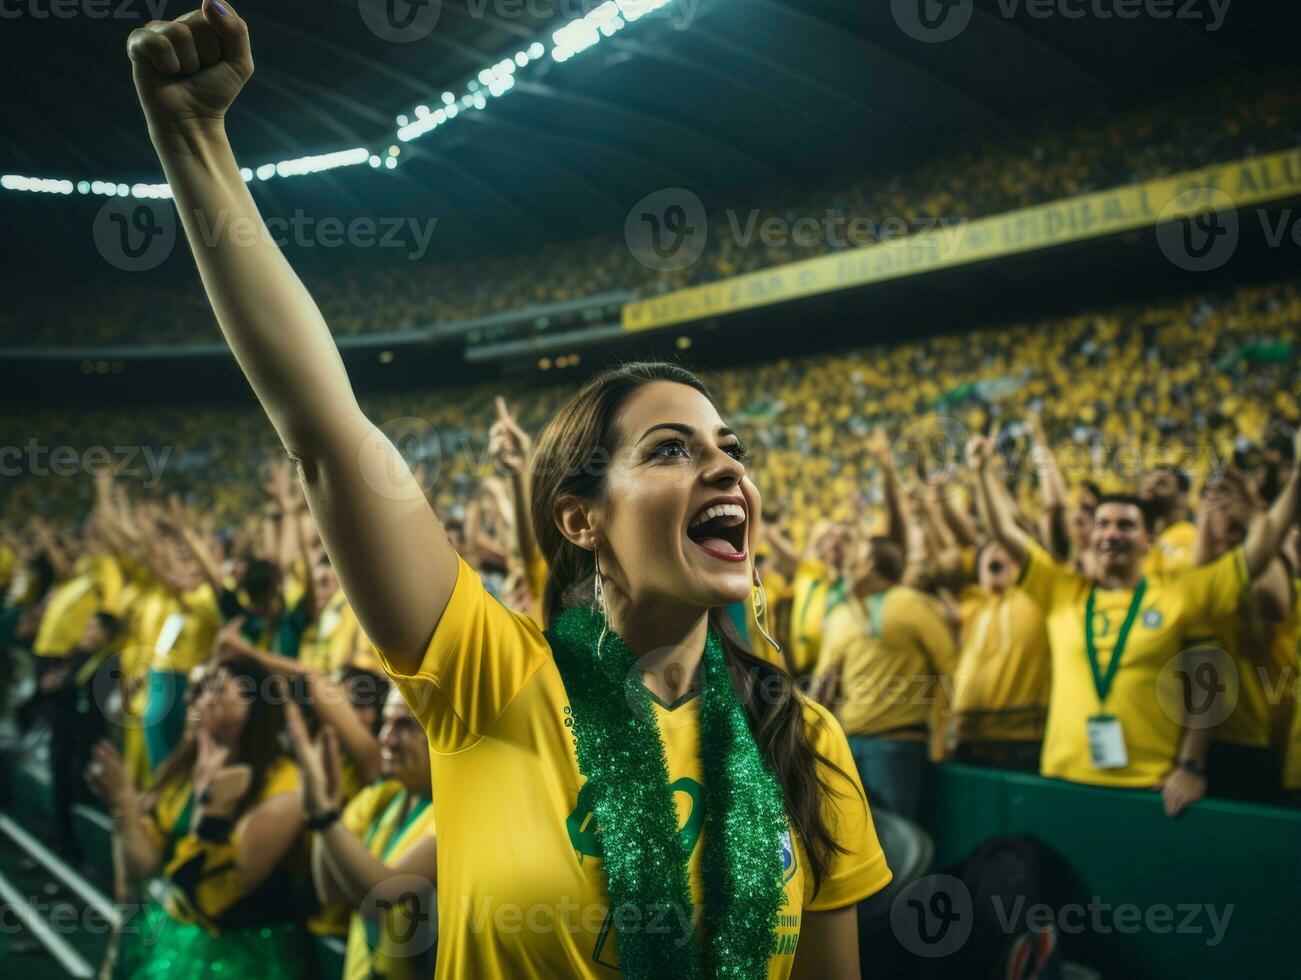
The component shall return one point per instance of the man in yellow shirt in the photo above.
(892, 651)
(69, 609)
(815, 590)
(1241, 762)
(1163, 494)
(1117, 642)
(1000, 690)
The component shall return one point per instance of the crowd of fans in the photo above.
(1187, 382)
(1229, 119)
(953, 530)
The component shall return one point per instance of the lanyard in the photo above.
(417, 809)
(1103, 681)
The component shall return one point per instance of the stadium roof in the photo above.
(726, 97)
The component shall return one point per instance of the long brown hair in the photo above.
(259, 744)
(571, 457)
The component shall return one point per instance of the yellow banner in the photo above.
(1224, 187)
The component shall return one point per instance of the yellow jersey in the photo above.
(1173, 608)
(1288, 641)
(394, 947)
(1000, 688)
(521, 889)
(185, 636)
(206, 887)
(71, 605)
(811, 591)
(895, 652)
(327, 643)
(1172, 551)
(1261, 665)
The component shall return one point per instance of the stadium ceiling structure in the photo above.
(559, 129)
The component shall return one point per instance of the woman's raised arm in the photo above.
(393, 558)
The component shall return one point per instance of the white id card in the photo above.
(1107, 743)
(168, 635)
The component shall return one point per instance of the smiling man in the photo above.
(1118, 641)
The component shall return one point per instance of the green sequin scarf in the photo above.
(645, 859)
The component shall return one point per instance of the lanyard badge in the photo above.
(1106, 737)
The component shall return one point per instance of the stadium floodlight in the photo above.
(36, 185)
(322, 161)
(493, 80)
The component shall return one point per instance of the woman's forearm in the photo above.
(140, 858)
(393, 560)
(271, 323)
(354, 870)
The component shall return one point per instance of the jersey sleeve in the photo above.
(363, 808)
(1213, 591)
(860, 870)
(926, 618)
(480, 656)
(1043, 579)
(838, 633)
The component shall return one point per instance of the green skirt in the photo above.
(153, 944)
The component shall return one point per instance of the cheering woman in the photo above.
(629, 790)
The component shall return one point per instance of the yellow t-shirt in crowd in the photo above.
(185, 637)
(893, 651)
(395, 947)
(71, 605)
(1174, 606)
(327, 643)
(1288, 642)
(521, 890)
(1172, 551)
(810, 588)
(220, 899)
(1000, 688)
(1261, 663)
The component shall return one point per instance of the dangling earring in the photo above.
(759, 600)
(598, 588)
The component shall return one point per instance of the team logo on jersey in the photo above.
(1153, 619)
(688, 793)
(788, 857)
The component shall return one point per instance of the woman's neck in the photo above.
(668, 641)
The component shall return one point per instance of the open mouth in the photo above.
(719, 529)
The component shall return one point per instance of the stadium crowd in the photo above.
(955, 567)
(1188, 381)
(1223, 121)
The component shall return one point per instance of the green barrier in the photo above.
(1235, 864)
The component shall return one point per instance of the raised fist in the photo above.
(189, 70)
